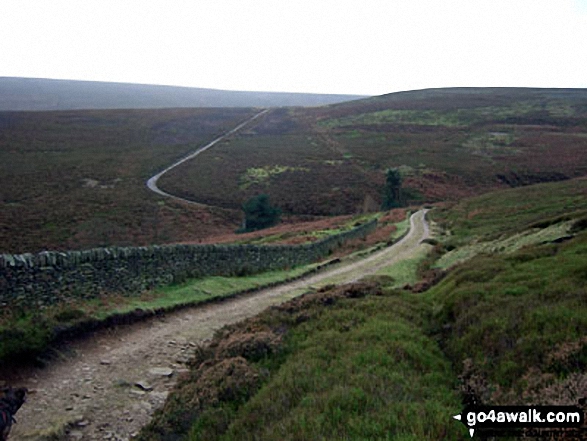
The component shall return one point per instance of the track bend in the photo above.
(152, 181)
(107, 387)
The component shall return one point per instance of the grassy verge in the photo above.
(507, 244)
(297, 235)
(505, 213)
(210, 288)
(404, 272)
(402, 227)
(24, 334)
(345, 363)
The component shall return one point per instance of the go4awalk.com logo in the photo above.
(526, 420)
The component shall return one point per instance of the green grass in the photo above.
(455, 118)
(402, 227)
(357, 368)
(512, 315)
(504, 213)
(354, 372)
(260, 175)
(506, 245)
(405, 272)
(27, 333)
(206, 289)
(421, 117)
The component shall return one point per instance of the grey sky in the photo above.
(324, 46)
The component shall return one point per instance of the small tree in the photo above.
(259, 213)
(392, 192)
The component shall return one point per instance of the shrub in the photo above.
(259, 213)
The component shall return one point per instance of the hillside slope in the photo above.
(76, 179)
(45, 94)
(447, 144)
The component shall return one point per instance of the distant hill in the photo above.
(446, 143)
(46, 94)
(465, 98)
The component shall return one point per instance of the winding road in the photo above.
(109, 385)
(152, 181)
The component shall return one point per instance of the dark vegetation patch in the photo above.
(514, 179)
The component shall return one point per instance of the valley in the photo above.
(88, 168)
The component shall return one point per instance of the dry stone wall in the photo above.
(49, 277)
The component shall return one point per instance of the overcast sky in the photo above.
(326, 46)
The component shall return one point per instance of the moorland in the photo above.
(447, 144)
(495, 310)
(76, 179)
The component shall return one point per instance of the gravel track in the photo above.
(106, 386)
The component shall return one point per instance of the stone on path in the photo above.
(137, 392)
(144, 385)
(76, 434)
(161, 371)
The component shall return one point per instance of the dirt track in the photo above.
(152, 181)
(107, 386)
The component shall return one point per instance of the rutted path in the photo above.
(110, 384)
(152, 182)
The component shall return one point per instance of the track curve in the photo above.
(152, 181)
